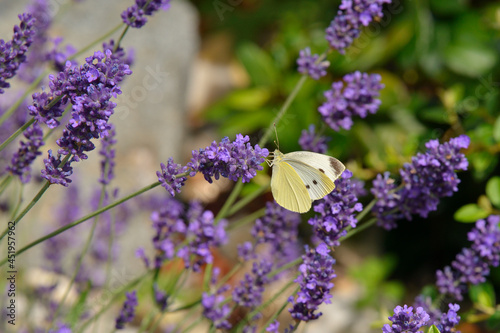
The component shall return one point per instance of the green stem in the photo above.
(16, 133)
(274, 316)
(229, 202)
(244, 201)
(100, 39)
(5, 183)
(118, 294)
(358, 229)
(83, 219)
(27, 209)
(28, 90)
(284, 108)
(247, 219)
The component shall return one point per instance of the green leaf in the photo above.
(248, 99)
(470, 213)
(493, 190)
(259, 65)
(483, 294)
(469, 60)
(496, 130)
(494, 321)
(79, 308)
(433, 329)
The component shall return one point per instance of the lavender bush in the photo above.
(243, 263)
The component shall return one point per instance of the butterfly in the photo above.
(301, 177)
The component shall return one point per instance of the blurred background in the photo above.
(224, 67)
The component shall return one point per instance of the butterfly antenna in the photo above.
(277, 142)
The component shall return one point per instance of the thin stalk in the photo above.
(27, 209)
(14, 135)
(244, 201)
(83, 219)
(247, 219)
(98, 40)
(5, 183)
(229, 202)
(274, 316)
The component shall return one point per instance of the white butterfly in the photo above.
(301, 177)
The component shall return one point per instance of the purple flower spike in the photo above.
(307, 64)
(316, 273)
(13, 52)
(471, 266)
(405, 321)
(233, 160)
(352, 15)
(357, 97)
(249, 292)
(55, 173)
(169, 176)
(108, 153)
(213, 307)
(128, 310)
(134, 15)
(27, 153)
(310, 140)
(429, 177)
(337, 210)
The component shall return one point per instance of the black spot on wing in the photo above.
(308, 187)
(322, 170)
(337, 167)
(315, 182)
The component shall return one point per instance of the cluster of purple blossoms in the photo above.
(308, 64)
(89, 88)
(128, 310)
(194, 228)
(161, 297)
(214, 307)
(135, 15)
(108, 153)
(471, 266)
(312, 141)
(169, 176)
(357, 97)
(429, 177)
(351, 16)
(233, 160)
(405, 321)
(249, 292)
(446, 321)
(27, 153)
(337, 210)
(316, 273)
(13, 52)
(55, 171)
(278, 228)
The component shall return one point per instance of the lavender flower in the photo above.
(471, 266)
(310, 140)
(134, 16)
(27, 153)
(352, 15)
(307, 64)
(316, 273)
(425, 302)
(13, 52)
(405, 321)
(387, 200)
(128, 310)
(278, 228)
(449, 320)
(56, 173)
(337, 210)
(428, 178)
(357, 98)
(273, 327)
(214, 307)
(161, 298)
(169, 176)
(232, 160)
(246, 252)
(200, 234)
(249, 292)
(108, 153)
(61, 328)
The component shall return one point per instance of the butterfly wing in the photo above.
(317, 171)
(288, 189)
